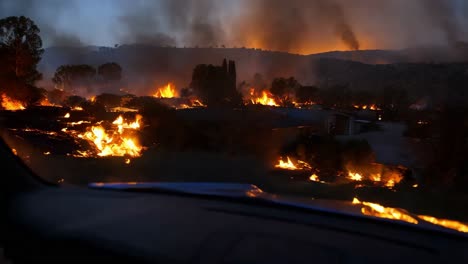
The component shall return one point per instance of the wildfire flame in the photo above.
(385, 178)
(114, 142)
(265, 99)
(289, 165)
(354, 176)
(377, 210)
(167, 91)
(11, 104)
(46, 102)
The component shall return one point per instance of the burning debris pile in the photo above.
(115, 139)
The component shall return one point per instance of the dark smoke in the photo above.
(44, 14)
(198, 21)
(343, 28)
(443, 16)
(193, 22)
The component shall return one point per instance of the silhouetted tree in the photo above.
(109, 100)
(74, 100)
(306, 94)
(336, 96)
(56, 96)
(110, 71)
(284, 89)
(66, 77)
(20, 52)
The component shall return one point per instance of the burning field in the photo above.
(150, 138)
(281, 138)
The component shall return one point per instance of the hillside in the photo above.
(147, 66)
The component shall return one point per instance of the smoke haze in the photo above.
(299, 26)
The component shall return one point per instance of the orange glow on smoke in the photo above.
(167, 91)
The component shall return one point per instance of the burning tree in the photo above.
(20, 50)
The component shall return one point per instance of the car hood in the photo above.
(251, 192)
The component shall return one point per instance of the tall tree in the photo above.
(20, 50)
(67, 77)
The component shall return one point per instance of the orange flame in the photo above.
(387, 178)
(354, 176)
(289, 165)
(114, 143)
(11, 104)
(265, 99)
(167, 91)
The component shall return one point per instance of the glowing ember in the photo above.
(372, 107)
(265, 99)
(197, 103)
(67, 115)
(14, 151)
(92, 99)
(127, 161)
(314, 178)
(377, 210)
(77, 108)
(167, 91)
(455, 225)
(11, 104)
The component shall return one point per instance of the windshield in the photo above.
(319, 100)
